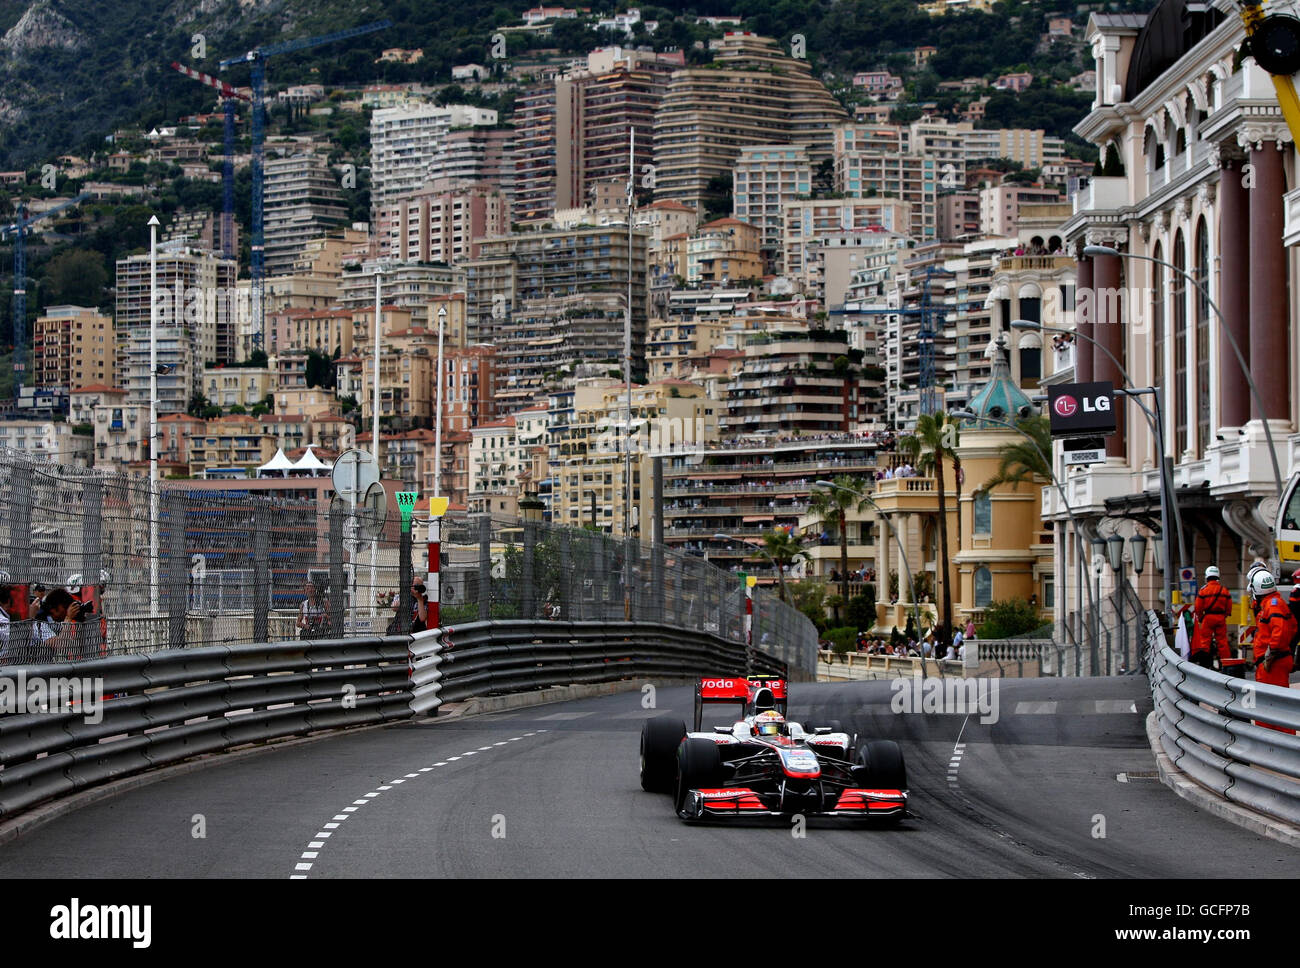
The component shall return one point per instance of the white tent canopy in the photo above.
(311, 464)
(277, 466)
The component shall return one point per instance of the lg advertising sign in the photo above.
(1081, 409)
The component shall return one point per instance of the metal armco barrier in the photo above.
(481, 658)
(169, 706)
(172, 705)
(1210, 728)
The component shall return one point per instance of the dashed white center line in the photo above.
(959, 748)
(310, 855)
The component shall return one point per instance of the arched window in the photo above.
(1202, 276)
(1178, 319)
(1031, 358)
(982, 517)
(983, 587)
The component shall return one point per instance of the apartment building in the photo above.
(444, 221)
(752, 94)
(403, 142)
(407, 368)
(866, 167)
(764, 178)
(232, 386)
(53, 440)
(552, 341)
(723, 250)
(807, 222)
(792, 383)
(1031, 147)
(578, 129)
(121, 429)
(73, 346)
(302, 201)
(479, 155)
(741, 487)
(514, 269)
(959, 214)
(674, 344)
(196, 325)
(469, 391)
(326, 331)
(229, 445)
(419, 289)
(832, 260)
(589, 465)
(495, 459)
(1000, 205)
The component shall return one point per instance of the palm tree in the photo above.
(935, 439)
(833, 504)
(782, 548)
(1024, 459)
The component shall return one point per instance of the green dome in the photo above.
(1000, 399)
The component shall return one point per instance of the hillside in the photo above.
(71, 71)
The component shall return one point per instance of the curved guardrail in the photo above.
(1211, 728)
(69, 725)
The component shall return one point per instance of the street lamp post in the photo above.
(374, 544)
(1168, 506)
(153, 416)
(1079, 538)
(437, 427)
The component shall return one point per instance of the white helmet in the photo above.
(1261, 583)
(1211, 572)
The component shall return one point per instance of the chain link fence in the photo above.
(225, 566)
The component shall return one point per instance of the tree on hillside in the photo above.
(75, 277)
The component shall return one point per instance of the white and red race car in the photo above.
(760, 766)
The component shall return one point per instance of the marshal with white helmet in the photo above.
(767, 766)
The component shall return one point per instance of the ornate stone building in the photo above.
(1207, 160)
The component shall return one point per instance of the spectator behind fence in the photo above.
(54, 629)
(311, 613)
(6, 590)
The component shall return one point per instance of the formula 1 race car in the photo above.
(763, 766)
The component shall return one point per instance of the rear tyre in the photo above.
(699, 765)
(660, 738)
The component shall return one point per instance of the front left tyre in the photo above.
(660, 738)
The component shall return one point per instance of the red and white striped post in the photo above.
(748, 583)
(433, 586)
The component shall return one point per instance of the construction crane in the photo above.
(229, 96)
(19, 231)
(256, 59)
(931, 322)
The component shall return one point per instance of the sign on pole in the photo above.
(353, 474)
(1081, 409)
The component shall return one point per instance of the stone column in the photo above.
(1083, 311)
(1234, 293)
(1269, 349)
(1108, 331)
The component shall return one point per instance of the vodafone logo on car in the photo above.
(1065, 406)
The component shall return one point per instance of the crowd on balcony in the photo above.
(902, 470)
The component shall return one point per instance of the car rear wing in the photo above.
(753, 693)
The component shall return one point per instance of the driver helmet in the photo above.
(769, 723)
